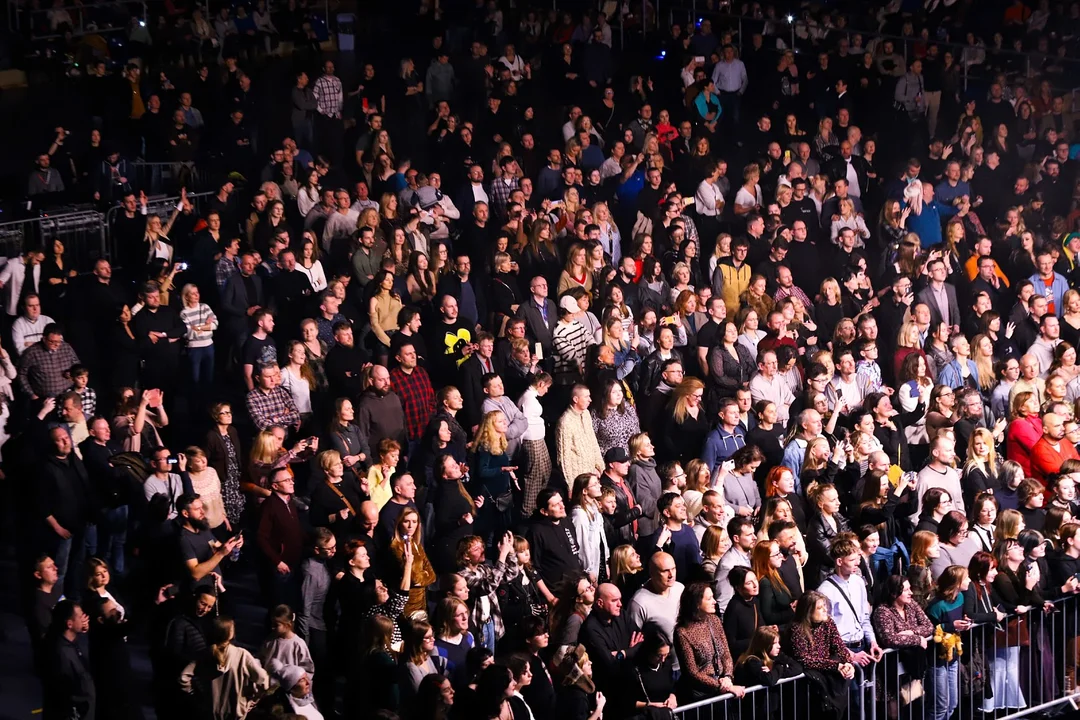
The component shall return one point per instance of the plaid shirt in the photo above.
(328, 97)
(484, 581)
(417, 398)
(795, 290)
(500, 193)
(89, 400)
(225, 269)
(41, 372)
(272, 408)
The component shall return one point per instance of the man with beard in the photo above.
(379, 413)
(199, 549)
(450, 342)
(344, 362)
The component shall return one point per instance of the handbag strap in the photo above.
(341, 496)
(716, 649)
(841, 591)
(641, 682)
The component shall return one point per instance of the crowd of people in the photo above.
(513, 404)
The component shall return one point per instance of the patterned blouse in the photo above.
(703, 651)
(616, 429)
(888, 624)
(822, 649)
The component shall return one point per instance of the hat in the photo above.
(783, 181)
(287, 675)
(566, 664)
(616, 455)
(427, 197)
(569, 304)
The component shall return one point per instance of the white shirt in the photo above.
(708, 199)
(479, 193)
(533, 412)
(298, 388)
(853, 181)
(25, 333)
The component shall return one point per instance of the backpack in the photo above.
(131, 472)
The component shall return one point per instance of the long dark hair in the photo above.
(690, 603)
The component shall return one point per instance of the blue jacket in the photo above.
(950, 374)
(927, 224)
(794, 454)
(719, 446)
(1057, 291)
(704, 108)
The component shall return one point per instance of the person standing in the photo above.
(65, 505)
(69, 690)
(329, 130)
(158, 331)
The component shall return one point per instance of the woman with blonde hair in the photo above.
(267, 455)
(207, 486)
(722, 250)
(749, 197)
(982, 351)
(680, 281)
(1070, 317)
(200, 322)
(298, 378)
(627, 571)
(495, 472)
(610, 237)
(697, 483)
(828, 309)
(981, 469)
(850, 220)
(685, 425)
(335, 502)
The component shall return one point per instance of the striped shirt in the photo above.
(569, 341)
(199, 315)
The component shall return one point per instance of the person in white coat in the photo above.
(13, 278)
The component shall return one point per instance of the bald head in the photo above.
(662, 572)
(369, 515)
(609, 600)
(1053, 427)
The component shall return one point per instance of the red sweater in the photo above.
(1045, 460)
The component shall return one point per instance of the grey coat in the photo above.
(645, 484)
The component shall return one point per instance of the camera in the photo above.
(181, 266)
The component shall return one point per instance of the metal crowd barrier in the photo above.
(1036, 678)
(160, 205)
(82, 233)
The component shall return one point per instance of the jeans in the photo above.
(112, 537)
(201, 360)
(946, 689)
(70, 558)
(487, 635)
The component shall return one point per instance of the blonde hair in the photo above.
(905, 332)
(1007, 526)
(830, 288)
(488, 438)
(328, 458)
(984, 364)
(682, 391)
(991, 457)
(185, 292)
(637, 444)
(264, 449)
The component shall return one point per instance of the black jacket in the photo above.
(554, 550)
(603, 635)
(64, 493)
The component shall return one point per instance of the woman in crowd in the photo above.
(613, 417)
(588, 524)
(483, 580)
(743, 613)
(577, 696)
(816, 645)
(705, 661)
(206, 484)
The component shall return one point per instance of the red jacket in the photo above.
(1020, 438)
